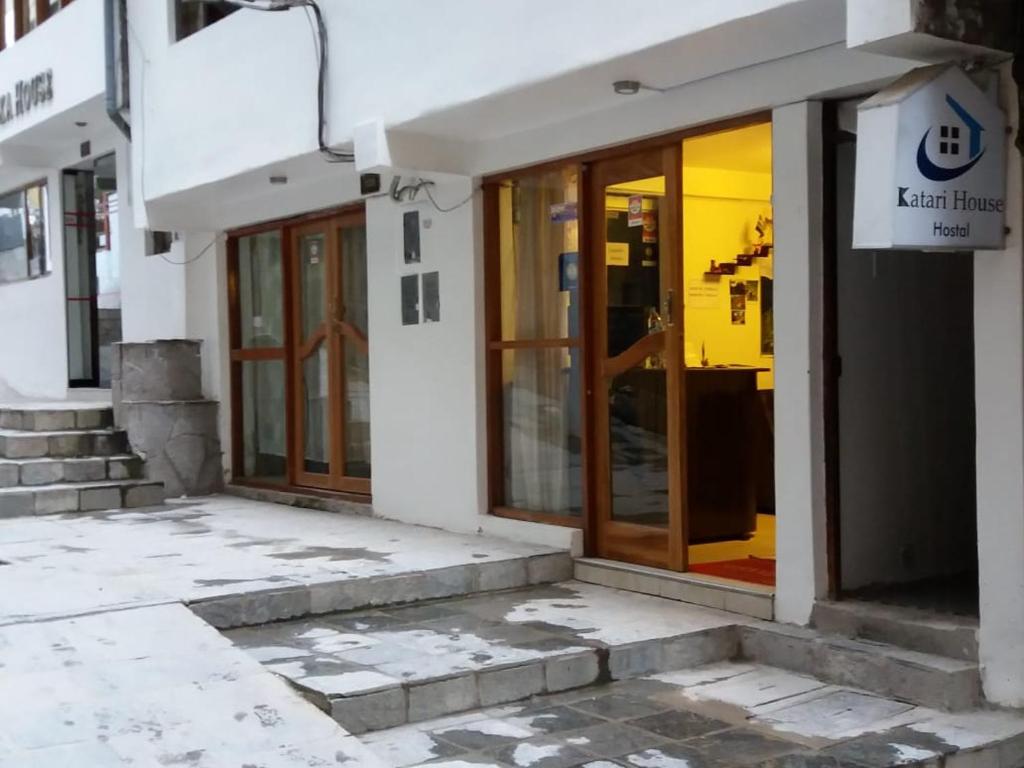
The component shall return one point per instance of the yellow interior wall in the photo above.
(720, 209)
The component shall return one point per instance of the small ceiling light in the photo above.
(81, 123)
(278, 179)
(626, 87)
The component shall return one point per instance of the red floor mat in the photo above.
(754, 570)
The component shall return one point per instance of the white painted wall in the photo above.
(868, 21)
(400, 61)
(203, 266)
(999, 381)
(78, 71)
(33, 342)
(801, 561)
(427, 423)
(152, 287)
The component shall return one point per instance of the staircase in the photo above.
(68, 459)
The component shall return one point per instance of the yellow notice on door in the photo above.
(616, 254)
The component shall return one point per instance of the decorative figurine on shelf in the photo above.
(703, 356)
(765, 230)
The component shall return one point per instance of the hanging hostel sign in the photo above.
(931, 165)
(25, 96)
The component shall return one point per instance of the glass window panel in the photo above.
(260, 290)
(316, 410)
(353, 277)
(39, 255)
(357, 412)
(539, 233)
(263, 421)
(9, 34)
(638, 437)
(312, 266)
(542, 438)
(13, 231)
(28, 11)
(193, 16)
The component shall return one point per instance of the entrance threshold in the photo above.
(304, 498)
(710, 591)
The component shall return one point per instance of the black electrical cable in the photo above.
(332, 155)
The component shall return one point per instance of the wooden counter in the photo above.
(722, 413)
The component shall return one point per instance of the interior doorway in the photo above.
(904, 508)
(92, 270)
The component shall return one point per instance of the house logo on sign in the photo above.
(951, 141)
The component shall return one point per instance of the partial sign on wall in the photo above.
(931, 165)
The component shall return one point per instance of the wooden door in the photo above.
(330, 354)
(637, 374)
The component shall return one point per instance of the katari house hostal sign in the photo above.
(26, 96)
(931, 165)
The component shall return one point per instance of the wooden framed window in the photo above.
(258, 356)
(535, 366)
(190, 17)
(19, 17)
(23, 233)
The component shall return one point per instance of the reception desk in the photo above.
(723, 416)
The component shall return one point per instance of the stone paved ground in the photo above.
(102, 666)
(717, 716)
(213, 547)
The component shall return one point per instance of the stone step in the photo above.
(54, 418)
(378, 669)
(21, 444)
(34, 472)
(79, 497)
(924, 631)
(725, 594)
(921, 678)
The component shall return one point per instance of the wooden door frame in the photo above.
(832, 137)
(357, 489)
(493, 310)
(611, 538)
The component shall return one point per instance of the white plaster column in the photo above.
(999, 399)
(800, 543)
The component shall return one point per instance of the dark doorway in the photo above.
(92, 270)
(902, 451)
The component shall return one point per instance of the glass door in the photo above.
(330, 370)
(637, 368)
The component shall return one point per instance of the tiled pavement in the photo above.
(381, 668)
(712, 717)
(102, 666)
(208, 552)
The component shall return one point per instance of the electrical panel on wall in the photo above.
(411, 237)
(410, 299)
(431, 297)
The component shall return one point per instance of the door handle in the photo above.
(669, 307)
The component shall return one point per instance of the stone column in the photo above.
(999, 398)
(800, 542)
(158, 400)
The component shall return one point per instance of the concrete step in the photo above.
(46, 418)
(33, 472)
(22, 444)
(725, 594)
(378, 669)
(924, 631)
(79, 497)
(926, 679)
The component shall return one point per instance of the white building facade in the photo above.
(598, 290)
